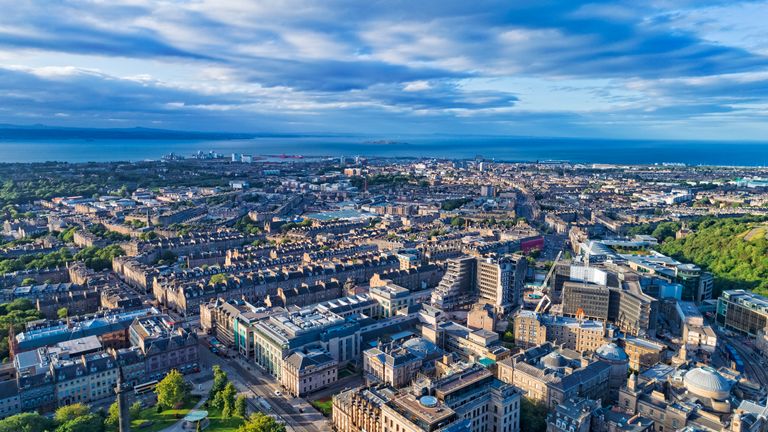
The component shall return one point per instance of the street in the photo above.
(255, 384)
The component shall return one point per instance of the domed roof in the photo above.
(554, 360)
(421, 347)
(707, 382)
(611, 352)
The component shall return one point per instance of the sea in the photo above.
(591, 151)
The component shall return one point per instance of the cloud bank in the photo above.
(656, 69)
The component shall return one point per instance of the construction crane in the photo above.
(545, 301)
(551, 271)
(543, 305)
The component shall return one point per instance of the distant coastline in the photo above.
(40, 144)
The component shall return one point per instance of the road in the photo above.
(249, 380)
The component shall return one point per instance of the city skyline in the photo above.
(662, 70)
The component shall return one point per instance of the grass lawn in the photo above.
(324, 405)
(219, 424)
(152, 421)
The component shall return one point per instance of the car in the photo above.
(278, 393)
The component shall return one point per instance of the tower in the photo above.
(122, 403)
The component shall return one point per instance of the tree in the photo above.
(260, 422)
(227, 398)
(218, 278)
(453, 204)
(26, 422)
(220, 381)
(112, 422)
(62, 313)
(86, 423)
(241, 406)
(28, 281)
(172, 391)
(533, 414)
(70, 412)
(135, 410)
(665, 229)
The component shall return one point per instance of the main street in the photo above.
(298, 415)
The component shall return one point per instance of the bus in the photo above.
(145, 388)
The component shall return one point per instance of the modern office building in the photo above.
(585, 300)
(279, 334)
(742, 311)
(697, 284)
(625, 304)
(500, 281)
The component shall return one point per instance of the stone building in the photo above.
(304, 373)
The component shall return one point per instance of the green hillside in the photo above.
(735, 250)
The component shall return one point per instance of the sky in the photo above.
(650, 69)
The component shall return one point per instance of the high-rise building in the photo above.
(492, 280)
(500, 281)
(457, 284)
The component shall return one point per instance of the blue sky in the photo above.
(635, 69)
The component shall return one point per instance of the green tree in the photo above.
(62, 313)
(453, 204)
(241, 406)
(220, 381)
(112, 422)
(665, 229)
(21, 304)
(218, 278)
(28, 281)
(260, 422)
(135, 410)
(533, 414)
(26, 422)
(70, 412)
(149, 235)
(227, 397)
(172, 391)
(85, 423)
